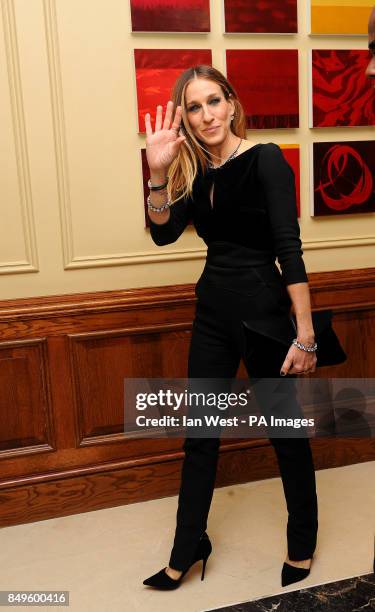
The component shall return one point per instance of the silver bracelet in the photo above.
(303, 347)
(158, 209)
(157, 187)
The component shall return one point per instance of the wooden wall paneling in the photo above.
(62, 364)
(26, 419)
(101, 361)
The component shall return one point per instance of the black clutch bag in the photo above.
(329, 351)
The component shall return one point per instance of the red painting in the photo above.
(266, 82)
(156, 72)
(291, 154)
(257, 16)
(170, 15)
(341, 93)
(343, 177)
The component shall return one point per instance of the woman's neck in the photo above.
(220, 153)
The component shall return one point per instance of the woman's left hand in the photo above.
(298, 361)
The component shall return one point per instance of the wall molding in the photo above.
(20, 143)
(70, 260)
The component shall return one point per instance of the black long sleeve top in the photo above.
(254, 205)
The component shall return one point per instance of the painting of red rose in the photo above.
(343, 177)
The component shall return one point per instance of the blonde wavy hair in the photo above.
(184, 167)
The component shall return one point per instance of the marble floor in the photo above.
(348, 595)
(102, 557)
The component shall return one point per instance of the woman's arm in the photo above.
(300, 295)
(167, 227)
(162, 148)
(158, 198)
(278, 182)
(298, 361)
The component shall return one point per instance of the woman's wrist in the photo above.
(305, 329)
(158, 177)
(306, 337)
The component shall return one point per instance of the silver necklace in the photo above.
(210, 164)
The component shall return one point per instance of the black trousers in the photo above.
(218, 343)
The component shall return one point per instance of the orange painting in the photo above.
(340, 17)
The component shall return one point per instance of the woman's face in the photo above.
(206, 107)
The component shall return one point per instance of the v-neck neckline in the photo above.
(236, 157)
(213, 171)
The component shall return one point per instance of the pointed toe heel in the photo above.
(162, 581)
(290, 574)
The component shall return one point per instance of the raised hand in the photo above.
(163, 145)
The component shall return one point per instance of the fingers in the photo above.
(293, 364)
(168, 115)
(302, 370)
(285, 367)
(167, 119)
(177, 119)
(159, 113)
(148, 125)
(180, 140)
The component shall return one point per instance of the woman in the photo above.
(241, 198)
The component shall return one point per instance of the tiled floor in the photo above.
(102, 557)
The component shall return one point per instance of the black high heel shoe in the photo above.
(161, 580)
(290, 573)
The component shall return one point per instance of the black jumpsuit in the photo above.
(242, 311)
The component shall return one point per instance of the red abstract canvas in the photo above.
(341, 93)
(257, 16)
(170, 15)
(343, 178)
(291, 154)
(266, 82)
(156, 72)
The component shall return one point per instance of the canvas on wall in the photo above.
(156, 71)
(170, 15)
(259, 16)
(342, 178)
(340, 92)
(266, 81)
(340, 17)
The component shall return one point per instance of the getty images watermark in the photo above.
(243, 408)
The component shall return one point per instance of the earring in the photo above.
(232, 117)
